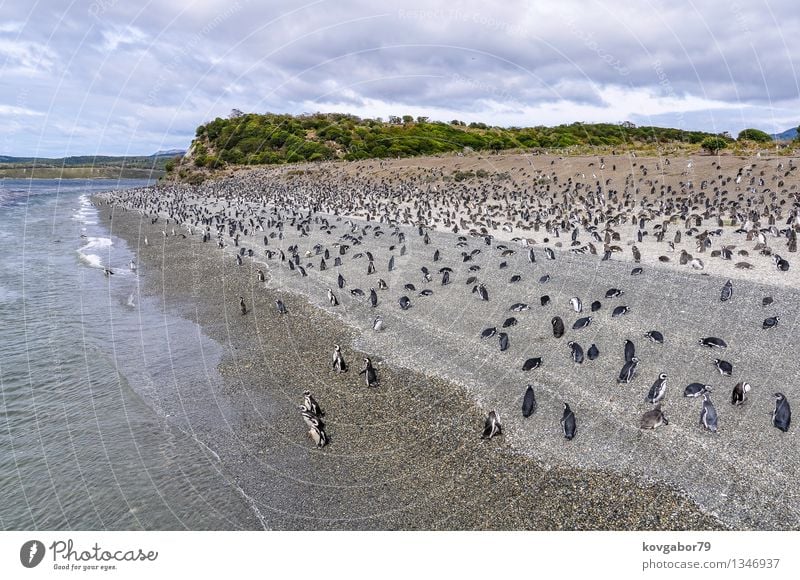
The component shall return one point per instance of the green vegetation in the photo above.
(754, 135)
(714, 144)
(84, 167)
(251, 139)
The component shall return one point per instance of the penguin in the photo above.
(637, 271)
(370, 375)
(528, 402)
(133, 266)
(492, 426)
(582, 323)
(332, 298)
(568, 423)
(503, 341)
(782, 415)
(558, 326)
(766, 301)
(511, 321)
(619, 311)
(108, 272)
(382, 284)
(544, 300)
(261, 277)
(724, 367)
(405, 302)
(593, 352)
(739, 393)
(696, 389)
(596, 305)
(519, 307)
(391, 263)
(373, 297)
(483, 293)
(340, 281)
(576, 303)
(770, 322)
(655, 336)
(310, 419)
(311, 405)
(628, 371)
(445, 278)
(488, 332)
(658, 390)
(630, 350)
(370, 268)
(577, 352)
(377, 324)
(614, 293)
(532, 363)
(242, 305)
(544, 279)
(653, 419)
(727, 291)
(318, 436)
(713, 342)
(280, 306)
(708, 414)
(338, 360)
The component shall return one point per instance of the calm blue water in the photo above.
(79, 447)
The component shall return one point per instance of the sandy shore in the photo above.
(408, 455)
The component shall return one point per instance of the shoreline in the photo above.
(415, 462)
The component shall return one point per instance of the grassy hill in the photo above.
(255, 139)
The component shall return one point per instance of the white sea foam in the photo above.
(92, 260)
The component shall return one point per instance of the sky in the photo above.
(114, 77)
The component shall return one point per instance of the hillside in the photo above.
(787, 135)
(87, 166)
(255, 139)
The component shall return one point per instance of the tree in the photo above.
(714, 144)
(407, 119)
(754, 135)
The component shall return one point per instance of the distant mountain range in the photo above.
(787, 135)
(93, 160)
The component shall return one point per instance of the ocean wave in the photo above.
(92, 260)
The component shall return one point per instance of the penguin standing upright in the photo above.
(782, 415)
(528, 402)
(492, 426)
(568, 423)
(727, 291)
(558, 326)
(370, 376)
(338, 360)
(708, 414)
(658, 390)
(242, 305)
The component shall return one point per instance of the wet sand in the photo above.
(407, 455)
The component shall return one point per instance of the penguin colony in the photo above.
(370, 229)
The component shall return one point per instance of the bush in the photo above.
(754, 135)
(714, 144)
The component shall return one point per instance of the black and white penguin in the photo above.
(528, 402)
(503, 341)
(338, 360)
(708, 414)
(332, 298)
(713, 342)
(340, 281)
(637, 271)
(280, 306)
(373, 297)
(619, 311)
(653, 419)
(576, 303)
(782, 415)
(628, 371)
(724, 367)
(577, 352)
(770, 322)
(310, 419)
(377, 324)
(630, 350)
(370, 375)
(727, 291)
(532, 363)
(382, 284)
(739, 393)
(568, 423)
(696, 389)
(655, 336)
(519, 307)
(582, 323)
(780, 263)
(614, 293)
(544, 300)
(596, 305)
(544, 279)
(658, 390)
(311, 405)
(492, 426)
(489, 332)
(391, 263)
(405, 302)
(558, 326)
(483, 293)
(593, 352)
(318, 436)
(511, 321)
(242, 306)
(766, 301)
(261, 277)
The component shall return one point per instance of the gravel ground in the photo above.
(408, 454)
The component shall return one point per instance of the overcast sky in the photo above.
(119, 77)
